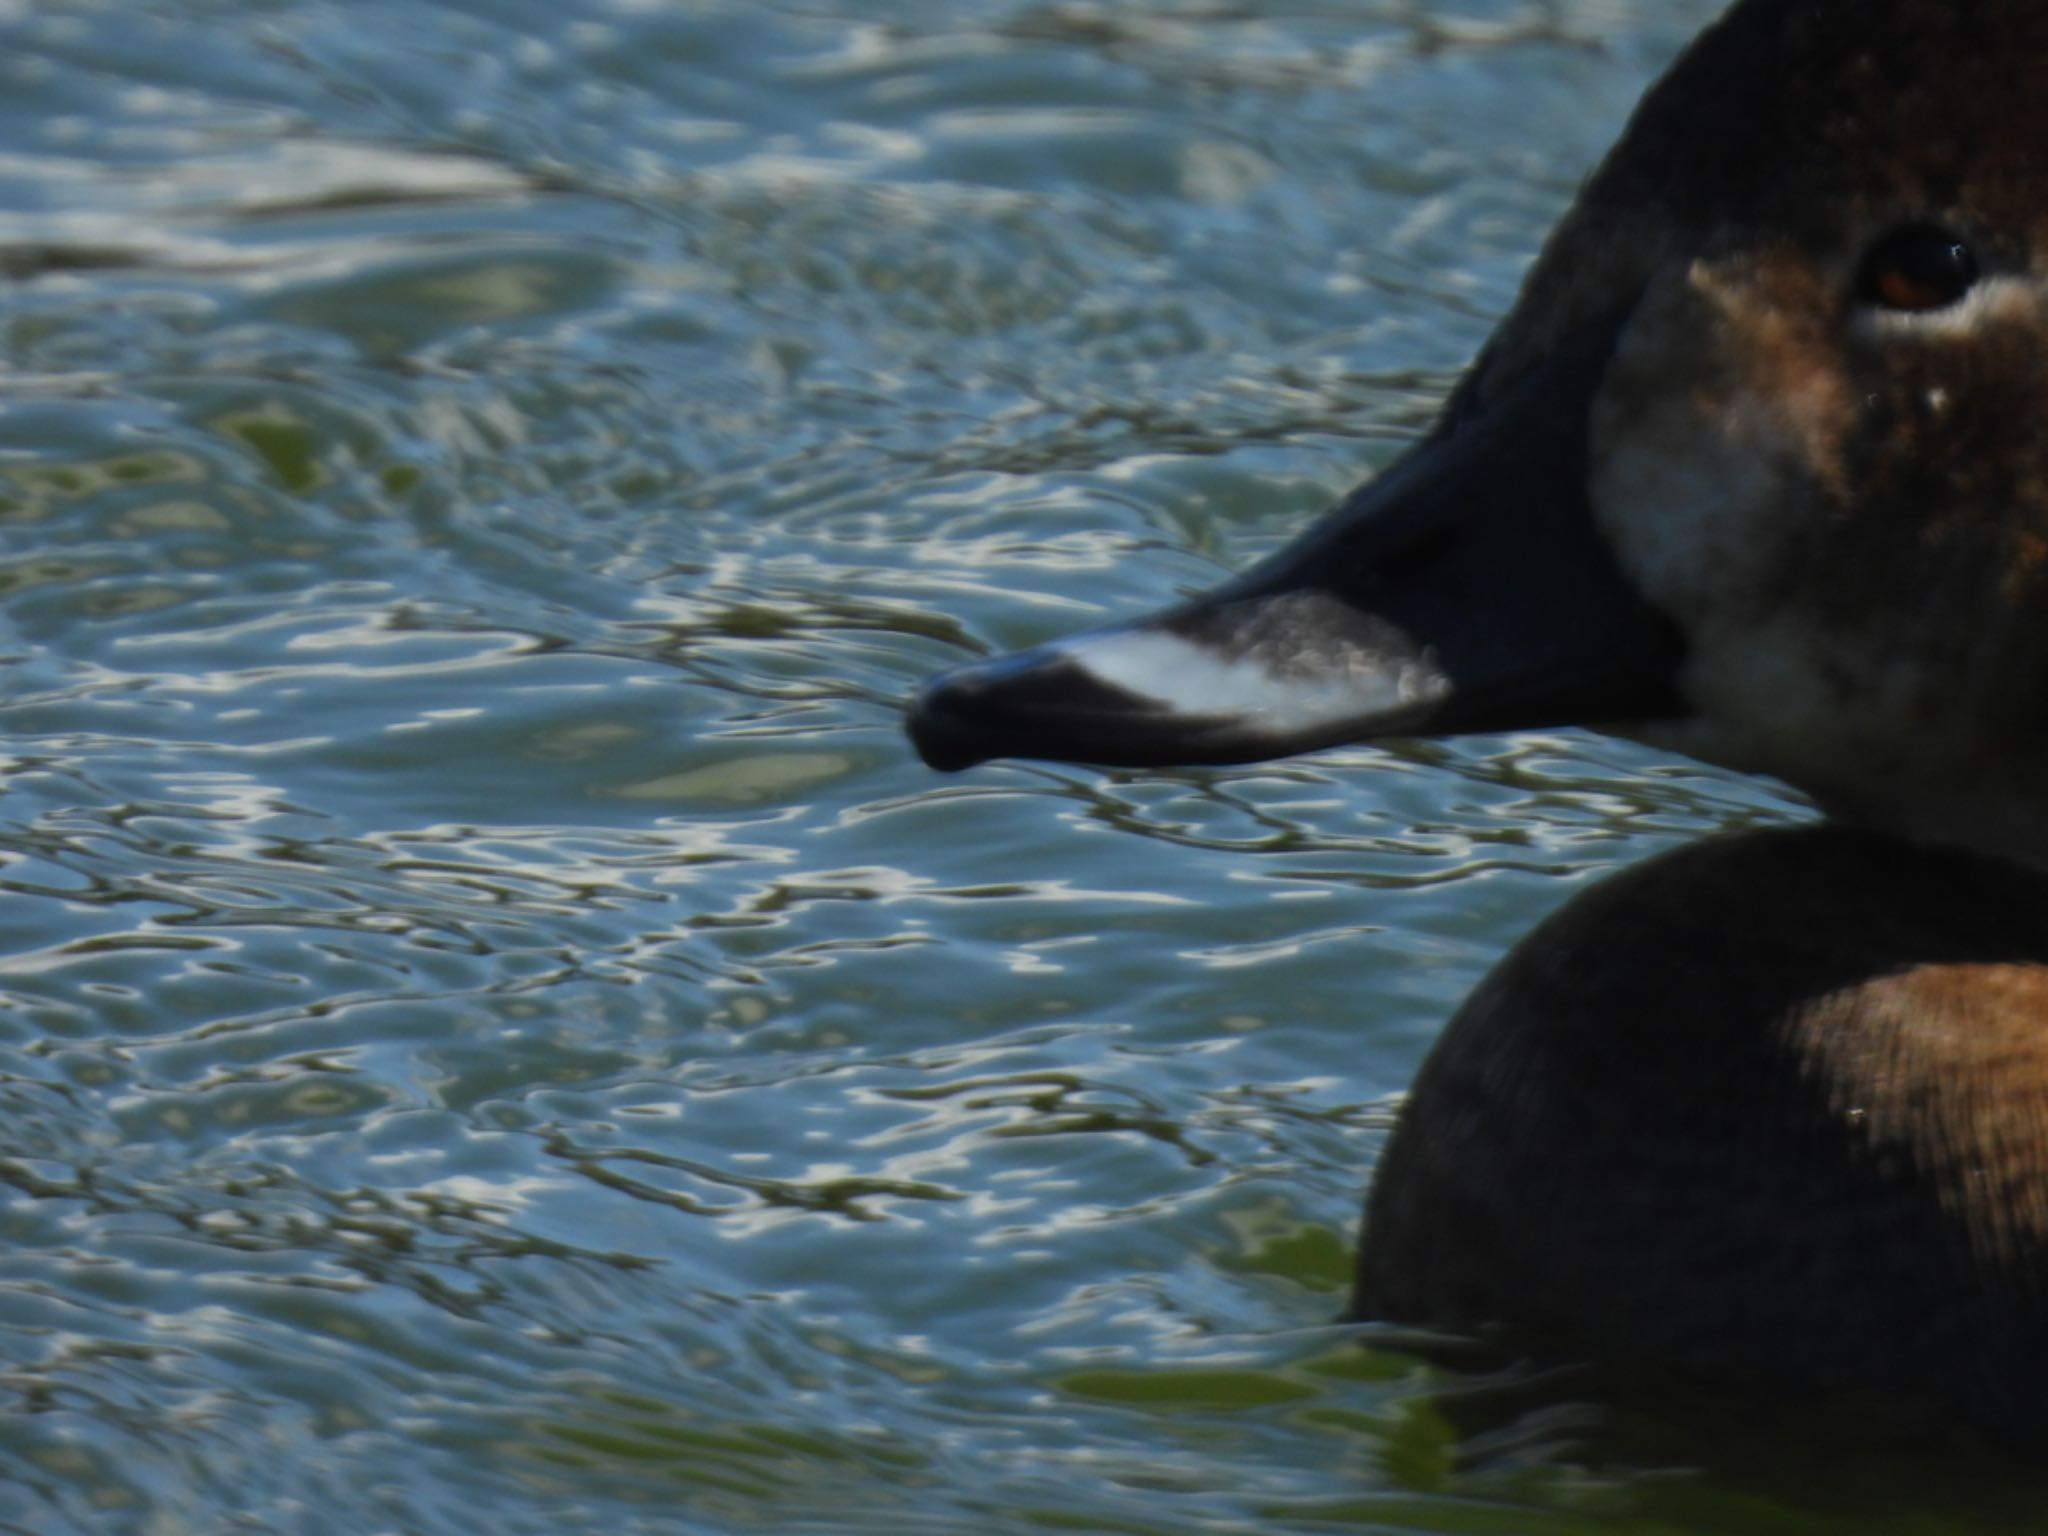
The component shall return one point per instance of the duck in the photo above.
(1755, 470)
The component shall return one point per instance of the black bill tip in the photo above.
(1036, 704)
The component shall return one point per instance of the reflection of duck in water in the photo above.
(1756, 469)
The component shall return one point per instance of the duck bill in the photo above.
(1465, 589)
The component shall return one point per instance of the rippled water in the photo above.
(496, 1031)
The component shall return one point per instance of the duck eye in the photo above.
(1920, 267)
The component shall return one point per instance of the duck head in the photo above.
(1756, 469)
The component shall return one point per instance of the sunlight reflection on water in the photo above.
(495, 1024)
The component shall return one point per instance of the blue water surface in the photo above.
(497, 1033)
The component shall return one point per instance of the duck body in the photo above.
(1757, 470)
(1771, 1109)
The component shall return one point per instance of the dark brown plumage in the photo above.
(1772, 1108)
(1771, 1111)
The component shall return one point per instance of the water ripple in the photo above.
(494, 1026)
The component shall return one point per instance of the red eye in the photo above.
(1919, 267)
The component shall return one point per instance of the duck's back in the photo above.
(1770, 1107)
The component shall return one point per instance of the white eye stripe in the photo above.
(1990, 300)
